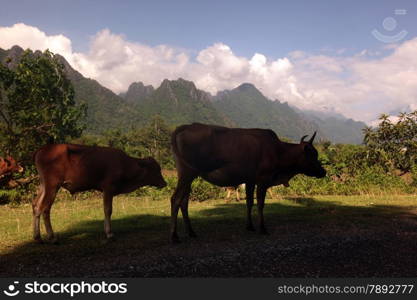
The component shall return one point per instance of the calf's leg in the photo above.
(228, 194)
(42, 206)
(237, 194)
(108, 208)
(37, 213)
(250, 188)
(48, 227)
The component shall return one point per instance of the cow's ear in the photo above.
(307, 148)
(310, 151)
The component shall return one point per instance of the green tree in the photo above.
(155, 140)
(393, 144)
(37, 104)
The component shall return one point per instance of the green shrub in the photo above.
(202, 190)
(10, 196)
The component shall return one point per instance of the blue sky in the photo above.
(270, 27)
(312, 54)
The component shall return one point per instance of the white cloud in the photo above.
(31, 37)
(360, 86)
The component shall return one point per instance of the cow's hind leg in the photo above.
(184, 211)
(250, 188)
(180, 200)
(42, 206)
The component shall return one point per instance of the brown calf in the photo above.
(8, 166)
(79, 168)
(231, 189)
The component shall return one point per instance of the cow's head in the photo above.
(153, 175)
(9, 165)
(309, 163)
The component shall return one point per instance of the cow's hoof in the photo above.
(38, 240)
(175, 239)
(250, 228)
(192, 234)
(263, 231)
(53, 241)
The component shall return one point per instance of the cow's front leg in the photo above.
(250, 188)
(108, 208)
(260, 201)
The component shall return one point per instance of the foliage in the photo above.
(9, 196)
(393, 144)
(201, 190)
(37, 105)
(154, 140)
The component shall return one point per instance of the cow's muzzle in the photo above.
(321, 174)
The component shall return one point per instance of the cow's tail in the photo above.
(34, 155)
(174, 144)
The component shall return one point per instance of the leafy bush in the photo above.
(394, 143)
(9, 196)
(202, 190)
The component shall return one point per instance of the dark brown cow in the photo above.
(231, 156)
(79, 168)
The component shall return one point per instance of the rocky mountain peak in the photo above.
(137, 91)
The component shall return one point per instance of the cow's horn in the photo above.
(312, 138)
(302, 139)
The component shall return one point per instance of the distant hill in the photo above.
(105, 109)
(336, 127)
(137, 92)
(248, 107)
(179, 102)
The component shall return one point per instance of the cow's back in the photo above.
(208, 147)
(79, 167)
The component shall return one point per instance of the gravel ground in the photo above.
(381, 249)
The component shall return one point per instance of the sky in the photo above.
(358, 58)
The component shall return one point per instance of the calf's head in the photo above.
(9, 165)
(308, 162)
(152, 172)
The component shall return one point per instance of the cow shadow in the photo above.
(143, 236)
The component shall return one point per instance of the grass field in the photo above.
(317, 236)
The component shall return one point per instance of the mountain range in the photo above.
(180, 101)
